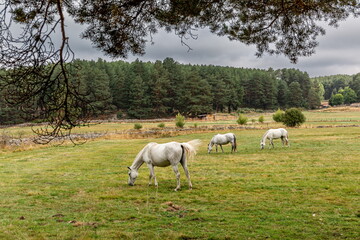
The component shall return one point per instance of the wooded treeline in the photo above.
(162, 89)
(341, 89)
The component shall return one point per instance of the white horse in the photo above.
(222, 139)
(163, 155)
(275, 134)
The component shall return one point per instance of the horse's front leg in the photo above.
(271, 143)
(177, 174)
(152, 175)
(221, 148)
(216, 147)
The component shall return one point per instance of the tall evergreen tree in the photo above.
(117, 87)
(138, 99)
(219, 93)
(295, 97)
(176, 78)
(97, 88)
(196, 95)
(254, 92)
(313, 99)
(159, 90)
(282, 94)
(355, 85)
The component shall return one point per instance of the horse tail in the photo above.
(235, 144)
(182, 154)
(287, 138)
(191, 147)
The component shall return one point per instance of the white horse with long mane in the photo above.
(275, 134)
(222, 139)
(163, 155)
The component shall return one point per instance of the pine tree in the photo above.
(138, 100)
(313, 99)
(295, 98)
(196, 95)
(159, 90)
(282, 94)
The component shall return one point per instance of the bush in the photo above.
(179, 120)
(293, 117)
(336, 99)
(261, 119)
(137, 126)
(161, 125)
(242, 119)
(278, 116)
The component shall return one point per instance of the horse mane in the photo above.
(139, 156)
(264, 136)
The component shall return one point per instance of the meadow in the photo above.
(307, 191)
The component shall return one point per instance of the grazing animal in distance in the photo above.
(272, 134)
(222, 139)
(163, 155)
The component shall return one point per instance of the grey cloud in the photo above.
(338, 51)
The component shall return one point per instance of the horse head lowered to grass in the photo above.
(163, 155)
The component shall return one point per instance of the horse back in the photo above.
(165, 154)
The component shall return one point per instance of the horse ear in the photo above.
(129, 168)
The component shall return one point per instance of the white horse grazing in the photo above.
(222, 139)
(163, 155)
(274, 134)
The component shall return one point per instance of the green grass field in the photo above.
(313, 119)
(308, 191)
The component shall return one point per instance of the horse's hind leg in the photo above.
(221, 148)
(184, 165)
(177, 174)
(283, 141)
(233, 147)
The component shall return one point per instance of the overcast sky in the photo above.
(338, 51)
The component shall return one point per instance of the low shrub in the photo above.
(293, 117)
(242, 119)
(161, 125)
(179, 120)
(261, 119)
(278, 116)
